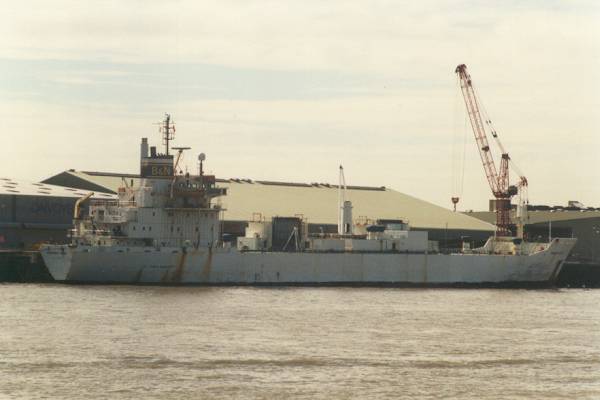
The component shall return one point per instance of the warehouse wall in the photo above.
(27, 220)
(587, 232)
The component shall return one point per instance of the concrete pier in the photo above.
(23, 266)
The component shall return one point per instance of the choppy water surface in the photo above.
(59, 341)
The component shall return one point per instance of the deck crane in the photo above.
(497, 179)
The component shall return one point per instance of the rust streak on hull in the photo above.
(207, 267)
(179, 269)
(138, 276)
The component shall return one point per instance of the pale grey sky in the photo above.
(285, 90)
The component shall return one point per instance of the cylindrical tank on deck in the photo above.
(260, 230)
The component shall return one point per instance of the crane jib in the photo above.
(498, 179)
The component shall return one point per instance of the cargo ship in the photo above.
(167, 230)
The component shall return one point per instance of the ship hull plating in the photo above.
(146, 265)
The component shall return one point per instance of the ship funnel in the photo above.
(144, 148)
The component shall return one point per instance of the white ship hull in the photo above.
(147, 265)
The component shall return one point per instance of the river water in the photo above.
(76, 342)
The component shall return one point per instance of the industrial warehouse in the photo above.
(33, 213)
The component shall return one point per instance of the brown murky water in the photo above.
(74, 342)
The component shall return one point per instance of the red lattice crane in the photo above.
(497, 178)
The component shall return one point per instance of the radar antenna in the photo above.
(180, 151)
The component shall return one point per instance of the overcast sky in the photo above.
(282, 90)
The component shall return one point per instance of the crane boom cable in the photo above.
(459, 153)
(494, 134)
(464, 153)
(488, 122)
(458, 160)
(455, 166)
(503, 179)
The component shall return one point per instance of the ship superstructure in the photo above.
(167, 230)
(167, 209)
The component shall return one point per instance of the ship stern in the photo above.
(559, 249)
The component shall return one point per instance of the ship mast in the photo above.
(167, 128)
